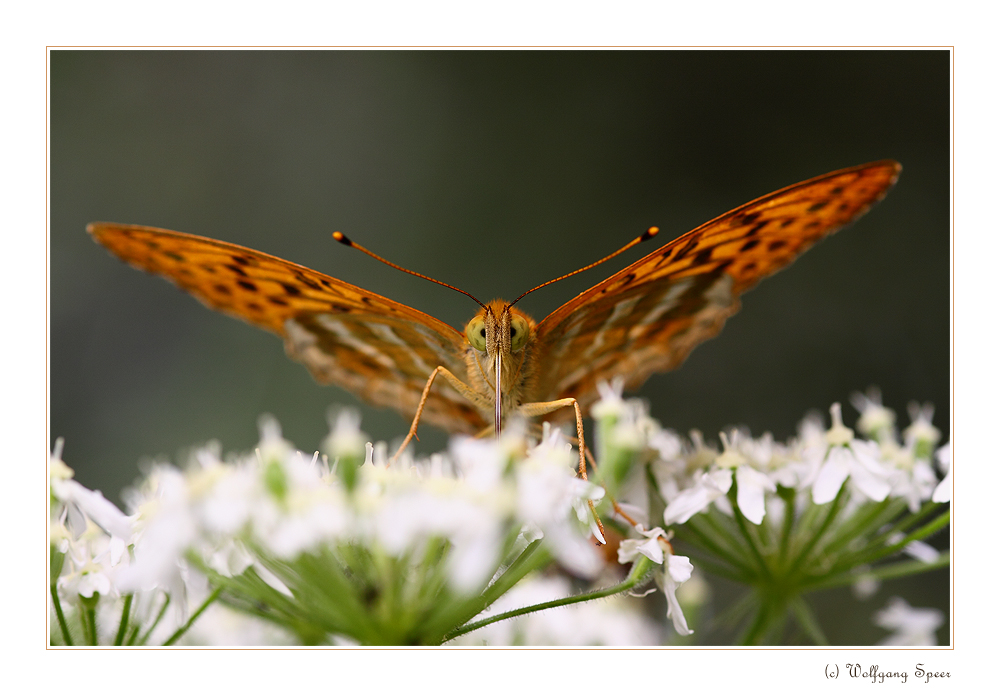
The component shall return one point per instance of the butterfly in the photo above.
(644, 319)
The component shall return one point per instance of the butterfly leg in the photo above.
(462, 388)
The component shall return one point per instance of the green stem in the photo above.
(886, 572)
(57, 605)
(871, 517)
(807, 620)
(691, 532)
(832, 513)
(532, 558)
(88, 616)
(787, 524)
(640, 569)
(770, 615)
(871, 555)
(720, 524)
(204, 605)
(123, 625)
(156, 621)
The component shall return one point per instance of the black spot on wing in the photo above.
(703, 257)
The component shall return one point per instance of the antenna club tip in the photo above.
(342, 238)
(650, 233)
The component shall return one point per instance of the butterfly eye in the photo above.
(518, 333)
(475, 331)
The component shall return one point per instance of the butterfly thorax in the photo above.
(501, 332)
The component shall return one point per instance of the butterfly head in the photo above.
(499, 330)
(500, 338)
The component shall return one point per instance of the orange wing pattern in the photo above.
(647, 317)
(380, 350)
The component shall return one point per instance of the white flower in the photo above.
(912, 626)
(942, 494)
(346, 438)
(846, 457)
(751, 484)
(93, 560)
(921, 434)
(876, 421)
(677, 571)
(750, 488)
(667, 444)
(547, 492)
(691, 501)
(83, 504)
(650, 546)
(611, 404)
(308, 513)
(166, 529)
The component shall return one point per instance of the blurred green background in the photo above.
(493, 171)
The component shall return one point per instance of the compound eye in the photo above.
(475, 331)
(518, 333)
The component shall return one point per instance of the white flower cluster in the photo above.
(692, 476)
(349, 546)
(458, 515)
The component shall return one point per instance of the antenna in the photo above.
(648, 234)
(343, 239)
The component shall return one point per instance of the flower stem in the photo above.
(807, 620)
(693, 533)
(835, 507)
(156, 621)
(886, 572)
(640, 570)
(204, 605)
(770, 617)
(123, 625)
(869, 555)
(57, 605)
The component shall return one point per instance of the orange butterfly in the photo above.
(644, 319)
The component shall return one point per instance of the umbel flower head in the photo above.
(479, 543)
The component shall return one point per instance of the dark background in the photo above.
(493, 171)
